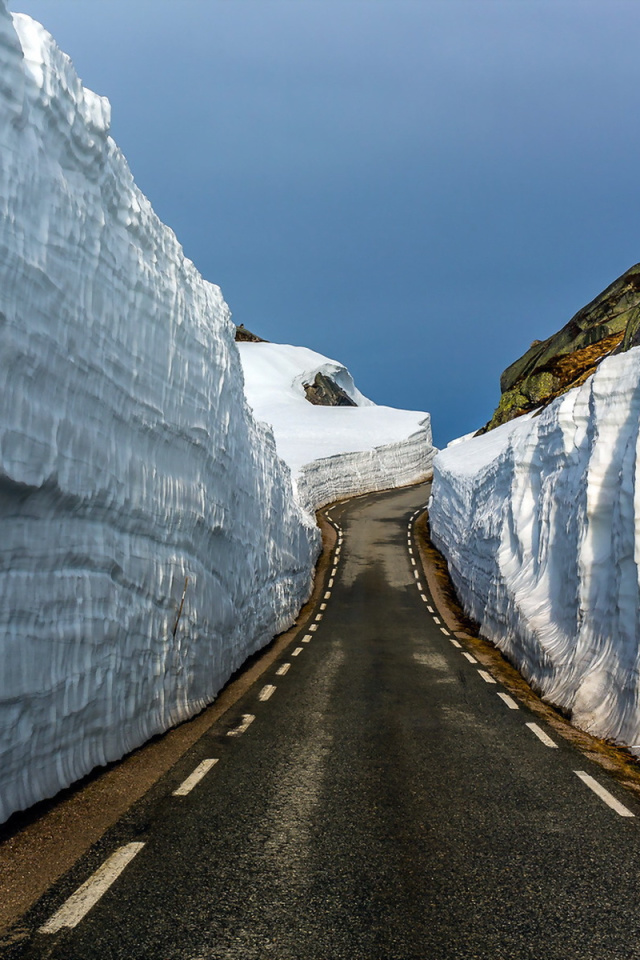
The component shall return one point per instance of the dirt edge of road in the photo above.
(617, 761)
(41, 844)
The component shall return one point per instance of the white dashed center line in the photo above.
(510, 702)
(541, 735)
(267, 691)
(446, 632)
(327, 595)
(423, 597)
(306, 638)
(435, 620)
(416, 574)
(334, 571)
(486, 676)
(608, 798)
(297, 651)
(430, 609)
(313, 627)
(455, 643)
(200, 771)
(280, 672)
(411, 550)
(323, 606)
(413, 561)
(419, 585)
(78, 905)
(469, 657)
(247, 720)
(331, 582)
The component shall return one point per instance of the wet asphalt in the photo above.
(384, 804)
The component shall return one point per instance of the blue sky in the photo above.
(418, 189)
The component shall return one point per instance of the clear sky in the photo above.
(416, 188)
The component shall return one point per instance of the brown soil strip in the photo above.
(617, 761)
(41, 844)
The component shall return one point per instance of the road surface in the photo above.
(376, 796)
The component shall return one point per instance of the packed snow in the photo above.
(540, 523)
(333, 452)
(130, 463)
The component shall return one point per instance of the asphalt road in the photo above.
(385, 802)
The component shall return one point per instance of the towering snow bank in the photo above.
(540, 522)
(333, 452)
(129, 460)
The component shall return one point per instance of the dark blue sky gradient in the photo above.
(417, 189)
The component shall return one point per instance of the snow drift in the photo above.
(333, 452)
(129, 460)
(540, 522)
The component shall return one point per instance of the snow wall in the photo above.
(333, 452)
(129, 459)
(540, 523)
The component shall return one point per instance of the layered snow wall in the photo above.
(129, 460)
(333, 452)
(540, 522)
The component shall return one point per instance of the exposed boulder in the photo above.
(609, 324)
(325, 392)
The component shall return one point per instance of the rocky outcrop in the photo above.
(325, 392)
(245, 336)
(609, 324)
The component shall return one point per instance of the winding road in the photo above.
(377, 795)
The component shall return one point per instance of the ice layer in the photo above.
(540, 523)
(130, 464)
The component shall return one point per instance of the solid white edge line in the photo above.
(280, 672)
(247, 720)
(200, 771)
(86, 896)
(267, 691)
(541, 735)
(297, 651)
(510, 702)
(486, 676)
(469, 657)
(608, 798)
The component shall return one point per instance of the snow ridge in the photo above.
(333, 452)
(540, 523)
(130, 463)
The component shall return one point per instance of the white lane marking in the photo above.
(455, 643)
(608, 798)
(313, 627)
(247, 720)
(469, 657)
(510, 702)
(330, 584)
(267, 691)
(326, 596)
(446, 632)
(541, 735)
(334, 571)
(323, 606)
(411, 550)
(297, 651)
(306, 638)
(280, 672)
(430, 609)
(416, 574)
(413, 561)
(423, 597)
(318, 616)
(79, 903)
(339, 541)
(486, 676)
(200, 771)
(419, 585)
(435, 620)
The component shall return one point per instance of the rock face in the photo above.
(609, 324)
(245, 336)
